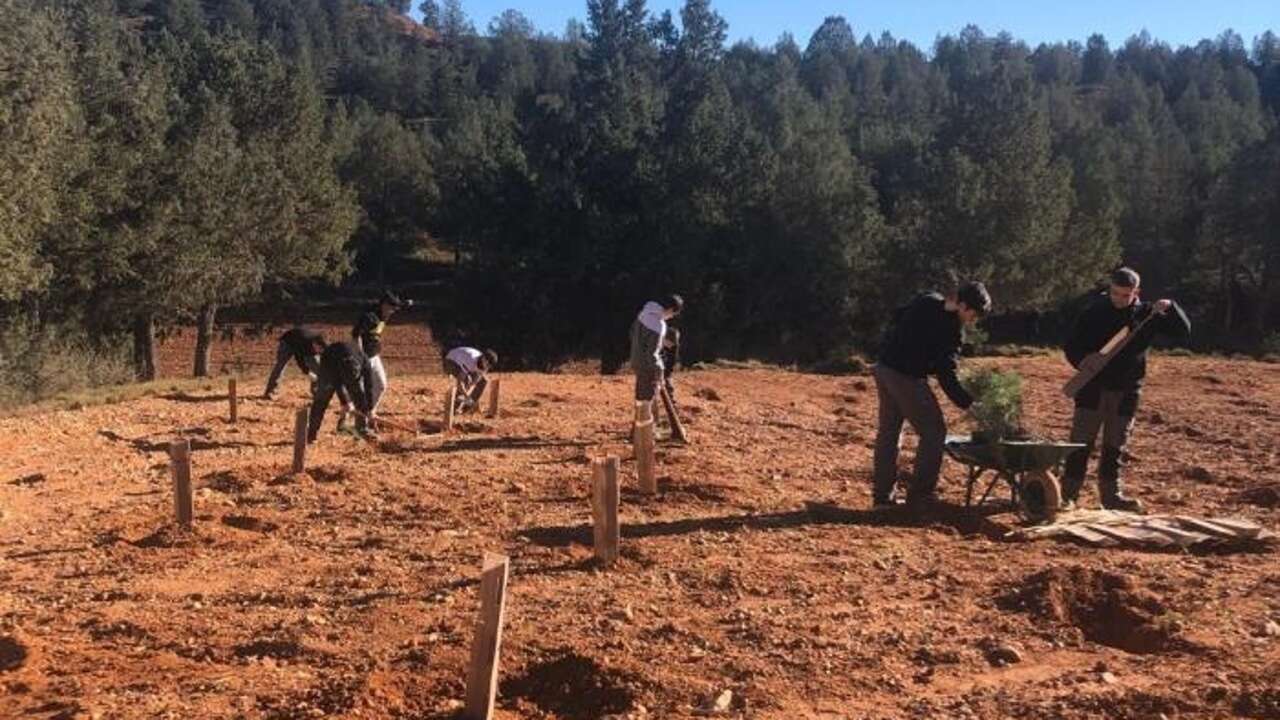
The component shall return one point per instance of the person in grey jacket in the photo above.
(647, 334)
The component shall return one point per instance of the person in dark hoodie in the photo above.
(1109, 402)
(302, 345)
(367, 333)
(345, 371)
(647, 333)
(924, 340)
(670, 359)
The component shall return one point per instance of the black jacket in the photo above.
(368, 330)
(346, 369)
(1099, 322)
(301, 341)
(925, 340)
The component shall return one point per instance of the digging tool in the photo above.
(389, 423)
(1094, 363)
(677, 428)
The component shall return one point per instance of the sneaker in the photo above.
(1122, 502)
(269, 395)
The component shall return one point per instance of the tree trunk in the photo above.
(204, 339)
(144, 347)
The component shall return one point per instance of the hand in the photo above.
(312, 377)
(1162, 306)
(348, 408)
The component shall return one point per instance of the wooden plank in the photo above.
(300, 422)
(1242, 528)
(231, 397)
(1133, 536)
(180, 464)
(482, 677)
(450, 401)
(1208, 527)
(605, 495)
(1084, 534)
(495, 387)
(1178, 534)
(677, 427)
(646, 459)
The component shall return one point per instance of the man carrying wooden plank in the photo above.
(1109, 401)
(647, 334)
(367, 333)
(470, 369)
(924, 340)
(346, 371)
(302, 345)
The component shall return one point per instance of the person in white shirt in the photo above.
(469, 368)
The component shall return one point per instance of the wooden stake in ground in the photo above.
(180, 464)
(494, 388)
(677, 427)
(604, 508)
(450, 400)
(644, 448)
(482, 678)
(231, 396)
(300, 422)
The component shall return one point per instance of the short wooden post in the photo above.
(231, 396)
(604, 508)
(677, 427)
(494, 388)
(450, 401)
(644, 448)
(300, 422)
(180, 464)
(482, 678)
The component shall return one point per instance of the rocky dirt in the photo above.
(755, 585)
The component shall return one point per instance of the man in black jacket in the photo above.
(924, 340)
(1110, 401)
(302, 345)
(344, 369)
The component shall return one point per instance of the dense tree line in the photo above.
(164, 158)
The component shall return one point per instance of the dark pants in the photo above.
(1111, 412)
(461, 380)
(648, 380)
(325, 390)
(907, 399)
(285, 354)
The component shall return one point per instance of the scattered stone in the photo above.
(1199, 474)
(1000, 654)
(1109, 678)
(722, 702)
(1271, 629)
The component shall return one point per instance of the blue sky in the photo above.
(1178, 22)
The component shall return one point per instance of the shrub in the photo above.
(1271, 344)
(40, 363)
(997, 404)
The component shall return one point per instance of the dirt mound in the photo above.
(225, 481)
(572, 687)
(1109, 609)
(168, 536)
(1267, 496)
(248, 522)
(12, 653)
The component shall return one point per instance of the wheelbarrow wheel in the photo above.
(1040, 496)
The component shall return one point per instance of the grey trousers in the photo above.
(904, 398)
(1114, 418)
(648, 380)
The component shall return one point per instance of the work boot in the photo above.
(1109, 485)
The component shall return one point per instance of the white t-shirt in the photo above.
(467, 358)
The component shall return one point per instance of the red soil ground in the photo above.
(350, 590)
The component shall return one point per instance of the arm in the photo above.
(950, 385)
(1077, 346)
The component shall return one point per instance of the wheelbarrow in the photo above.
(1030, 467)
